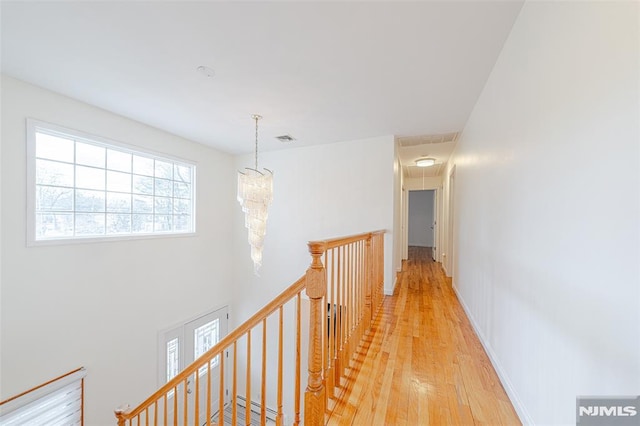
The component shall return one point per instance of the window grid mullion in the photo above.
(75, 185)
(104, 206)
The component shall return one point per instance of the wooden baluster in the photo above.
(363, 283)
(343, 314)
(354, 324)
(185, 405)
(368, 308)
(221, 390)
(280, 372)
(248, 392)
(263, 389)
(155, 413)
(325, 330)
(315, 402)
(165, 411)
(358, 265)
(296, 420)
(146, 416)
(380, 266)
(232, 400)
(349, 306)
(359, 288)
(331, 332)
(209, 394)
(196, 412)
(175, 405)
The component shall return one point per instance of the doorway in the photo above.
(422, 220)
(179, 347)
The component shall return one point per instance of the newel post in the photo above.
(120, 413)
(314, 397)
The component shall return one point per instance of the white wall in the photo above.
(548, 272)
(101, 305)
(421, 218)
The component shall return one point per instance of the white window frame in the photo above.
(33, 125)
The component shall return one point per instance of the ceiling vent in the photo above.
(406, 141)
(285, 138)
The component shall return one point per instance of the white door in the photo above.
(180, 347)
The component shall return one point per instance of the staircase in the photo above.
(344, 288)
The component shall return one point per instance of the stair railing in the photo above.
(351, 294)
(344, 292)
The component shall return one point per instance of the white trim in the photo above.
(521, 410)
(106, 239)
(91, 139)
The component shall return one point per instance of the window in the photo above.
(57, 402)
(83, 187)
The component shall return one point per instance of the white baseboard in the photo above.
(521, 411)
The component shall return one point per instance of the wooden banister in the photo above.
(344, 284)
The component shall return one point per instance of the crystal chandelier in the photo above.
(255, 193)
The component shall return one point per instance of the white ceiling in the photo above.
(320, 71)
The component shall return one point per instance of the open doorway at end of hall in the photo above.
(422, 220)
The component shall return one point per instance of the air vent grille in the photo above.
(406, 141)
(285, 138)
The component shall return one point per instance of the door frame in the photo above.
(437, 230)
(177, 330)
(451, 224)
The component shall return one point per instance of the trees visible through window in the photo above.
(86, 187)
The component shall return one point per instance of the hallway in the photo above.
(423, 363)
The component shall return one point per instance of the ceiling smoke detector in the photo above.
(285, 138)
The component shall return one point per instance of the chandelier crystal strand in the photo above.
(255, 194)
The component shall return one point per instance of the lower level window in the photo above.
(57, 402)
(84, 186)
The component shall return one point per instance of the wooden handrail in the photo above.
(341, 241)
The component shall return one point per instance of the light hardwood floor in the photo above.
(422, 364)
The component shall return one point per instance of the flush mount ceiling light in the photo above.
(255, 193)
(425, 162)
